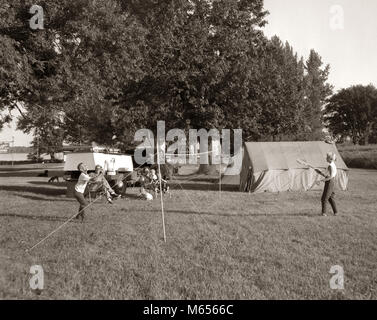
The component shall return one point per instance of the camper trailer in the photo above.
(117, 167)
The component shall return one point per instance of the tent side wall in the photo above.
(273, 166)
(292, 180)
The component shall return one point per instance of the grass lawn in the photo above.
(237, 246)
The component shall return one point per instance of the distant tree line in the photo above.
(17, 149)
(100, 70)
(352, 113)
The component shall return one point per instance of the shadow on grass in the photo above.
(36, 217)
(20, 174)
(131, 196)
(101, 200)
(45, 199)
(38, 190)
(304, 214)
(46, 183)
(30, 173)
(7, 169)
(196, 178)
(203, 187)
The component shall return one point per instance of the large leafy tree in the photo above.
(280, 91)
(317, 90)
(46, 128)
(101, 69)
(199, 54)
(74, 67)
(353, 112)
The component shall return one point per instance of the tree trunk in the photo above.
(208, 169)
(368, 130)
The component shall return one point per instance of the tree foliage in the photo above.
(353, 112)
(317, 90)
(102, 69)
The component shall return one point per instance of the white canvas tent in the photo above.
(273, 166)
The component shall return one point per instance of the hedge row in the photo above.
(360, 159)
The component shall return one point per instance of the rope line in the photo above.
(76, 214)
(71, 218)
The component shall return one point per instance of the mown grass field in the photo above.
(233, 246)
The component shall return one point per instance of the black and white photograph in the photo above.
(188, 150)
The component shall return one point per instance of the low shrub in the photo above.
(364, 157)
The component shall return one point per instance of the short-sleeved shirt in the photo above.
(82, 182)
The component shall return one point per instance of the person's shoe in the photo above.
(115, 196)
(324, 215)
(335, 213)
(109, 200)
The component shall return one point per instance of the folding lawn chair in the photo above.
(95, 190)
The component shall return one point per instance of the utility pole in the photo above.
(12, 150)
(37, 136)
(37, 149)
(187, 132)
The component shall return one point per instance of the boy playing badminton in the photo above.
(80, 189)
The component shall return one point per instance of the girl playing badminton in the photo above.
(328, 192)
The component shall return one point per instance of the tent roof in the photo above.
(284, 155)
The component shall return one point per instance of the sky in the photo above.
(343, 32)
(350, 47)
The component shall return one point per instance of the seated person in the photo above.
(120, 188)
(150, 180)
(145, 181)
(144, 194)
(144, 178)
(99, 183)
(164, 185)
(146, 173)
(153, 177)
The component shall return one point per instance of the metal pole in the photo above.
(12, 150)
(162, 201)
(220, 180)
(37, 148)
